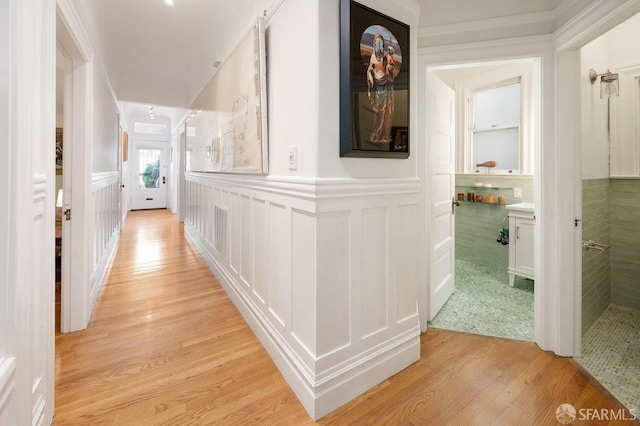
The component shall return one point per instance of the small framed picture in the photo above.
(400, 138)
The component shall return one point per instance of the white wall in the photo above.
(27, 122)
(105, 123)
(321, 261)
(623, 46)
(330, 164)
(618, 51)
(7, 292)
(292, 88)
(595, 137)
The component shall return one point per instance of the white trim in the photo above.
(593, 21)
(100, 273)
(529, 24)
(493, 24)
(493, 51)
(102, 180)
(105, 227)
(311, 188)
(295, 216)
(7, 381)
(519, 71)
(78, 126)
(496, 50)
(74, 34)
(39, 188)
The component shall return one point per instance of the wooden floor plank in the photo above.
(166, 346)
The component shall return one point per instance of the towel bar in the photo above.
(596, 246)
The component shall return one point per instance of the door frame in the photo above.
(133, 170)
(77, 136)
(502, 50)
(180, 157)
(594, 22)
(558, 296)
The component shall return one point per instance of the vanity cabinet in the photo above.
(521, 227)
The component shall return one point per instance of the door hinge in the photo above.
(67, 214)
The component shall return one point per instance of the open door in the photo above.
(441, 203)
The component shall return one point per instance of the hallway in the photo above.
(166, 346)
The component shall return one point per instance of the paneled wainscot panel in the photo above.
(324, 271)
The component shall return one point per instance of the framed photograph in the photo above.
(374, 83)
(125, 146)
(59, 149)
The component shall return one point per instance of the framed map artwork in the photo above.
(227, 127)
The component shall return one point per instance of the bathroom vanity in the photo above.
(521, 226)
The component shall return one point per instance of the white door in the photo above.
(149, 174)
(440, 193)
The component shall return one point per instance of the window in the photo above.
(149, 168)
(495, 127)
(150, 129)
(497, 115)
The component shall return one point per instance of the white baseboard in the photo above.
(102, 268)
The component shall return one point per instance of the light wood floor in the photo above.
(166, 346)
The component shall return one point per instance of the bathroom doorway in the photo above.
(494, 168)
(610, 217)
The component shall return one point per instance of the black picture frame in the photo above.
(374, 83)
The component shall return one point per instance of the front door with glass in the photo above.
(149, 175)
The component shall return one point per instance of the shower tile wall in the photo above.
(596, 273)
(478, 224)
(625, 246)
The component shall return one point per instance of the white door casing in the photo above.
(440, 192)
(149, 173)
(181, 187)
(27, 215)
(78, 96)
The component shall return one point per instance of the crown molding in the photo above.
(487, 24)
(594, 20)
(528, 24)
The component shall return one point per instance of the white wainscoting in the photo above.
(105, 228)
(324, 271)
(7, 387)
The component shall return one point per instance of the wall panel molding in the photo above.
(102, 180)
(298, 250)
(105, 229)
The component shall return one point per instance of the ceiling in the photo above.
(164, 55)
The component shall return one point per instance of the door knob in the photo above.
(164, 180)
(454, 203)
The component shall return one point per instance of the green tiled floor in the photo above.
(483, 303)
(611, 353)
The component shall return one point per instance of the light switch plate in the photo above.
(293, 157)
(517, 192)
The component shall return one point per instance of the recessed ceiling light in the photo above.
(169, 2)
